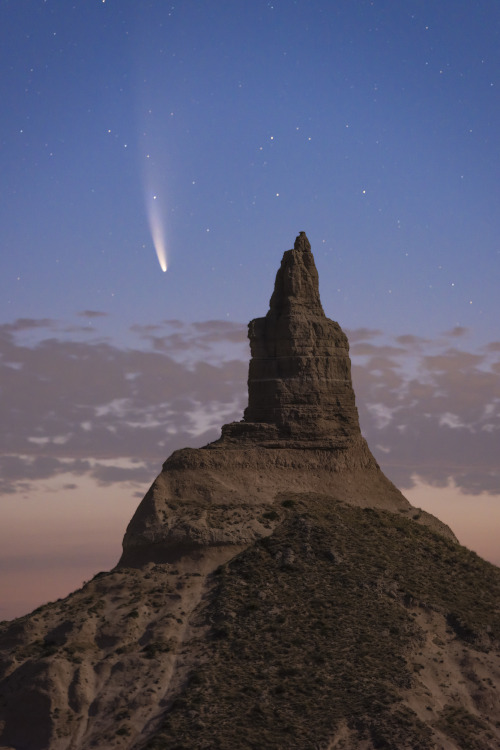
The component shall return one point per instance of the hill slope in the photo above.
(345, 627)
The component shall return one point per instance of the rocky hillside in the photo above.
(275, 589)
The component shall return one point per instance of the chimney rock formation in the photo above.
(300, 431)
(299, 381)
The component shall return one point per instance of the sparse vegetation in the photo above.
(159, 647)
(302, 642)
(467, 730)
(123, 731)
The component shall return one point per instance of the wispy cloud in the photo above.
(432, 410)
(92, 314)
(427, 408)
(70, 406)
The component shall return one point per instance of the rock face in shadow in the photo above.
(299, 379)
(300, 430)
(275, 590)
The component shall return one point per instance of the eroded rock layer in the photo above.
(299, 377)
(299, 381)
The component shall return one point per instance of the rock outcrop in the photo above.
(275, 589)
(300, 431)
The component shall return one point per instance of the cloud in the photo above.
(409, 339)
(73, 406)
(451, 420)
(457, 332)
(91, 408)
(26, 324)
(92, 314)
(432, 413)
(210, 340)
(362, 334)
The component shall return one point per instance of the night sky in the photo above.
(219, 130)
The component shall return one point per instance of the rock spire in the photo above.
(299, 380)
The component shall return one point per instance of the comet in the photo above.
(157, 230)
(154, 169)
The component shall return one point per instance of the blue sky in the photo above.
(373, 126)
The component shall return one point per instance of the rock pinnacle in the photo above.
(299, 380)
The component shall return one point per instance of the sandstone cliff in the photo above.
(275, 590)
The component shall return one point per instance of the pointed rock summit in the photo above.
(299, 381)
(300, 431)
